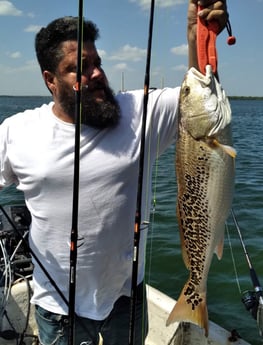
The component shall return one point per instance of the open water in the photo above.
(165, 269)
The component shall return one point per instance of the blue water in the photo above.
(165, 269)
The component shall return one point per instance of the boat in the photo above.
(21, 317)
(17, 322)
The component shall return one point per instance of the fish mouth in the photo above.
(211, 105)
(203, 79)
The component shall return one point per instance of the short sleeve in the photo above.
(7, 176)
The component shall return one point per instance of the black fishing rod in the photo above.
(136, 239)
(253, 300)
(75, 203)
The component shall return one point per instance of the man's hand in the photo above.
(211, 10)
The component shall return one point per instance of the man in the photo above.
(37, 154)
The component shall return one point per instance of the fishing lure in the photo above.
(206, 42)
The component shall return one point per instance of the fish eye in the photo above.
(186, 90)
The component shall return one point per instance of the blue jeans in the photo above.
(53, 328)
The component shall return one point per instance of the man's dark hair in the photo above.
(49, 39)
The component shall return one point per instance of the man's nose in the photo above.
(96, 73)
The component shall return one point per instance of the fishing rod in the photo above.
(25, 221)
(25, 243)
(28, 248)
(136, 239)
(75, 203)
(253, 300)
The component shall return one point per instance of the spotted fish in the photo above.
(205, 177)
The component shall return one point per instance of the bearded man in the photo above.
(37, 154)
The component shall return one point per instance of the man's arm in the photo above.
(212, 10)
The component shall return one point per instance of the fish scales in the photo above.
(205, 179)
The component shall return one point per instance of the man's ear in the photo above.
(49, 80)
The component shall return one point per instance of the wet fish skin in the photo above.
(205, 179)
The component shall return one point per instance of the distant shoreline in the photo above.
(12, 96)
(245, 98)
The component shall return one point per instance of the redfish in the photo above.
(205, 170)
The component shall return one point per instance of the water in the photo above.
(165, 268)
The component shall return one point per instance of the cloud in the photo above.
(180, 50)
(156, 71)
(28, 66)
(31, 15)
(145, 4)
(15, 55)
(8, 9)
(121, 66)
(102, 53)
(183, 68)
(128, 53)
(32, 28)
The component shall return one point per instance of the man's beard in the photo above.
(99, 114)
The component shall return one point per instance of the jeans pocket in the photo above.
(50, 326)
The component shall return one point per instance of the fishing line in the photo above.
(253, 274)
(12, 334)
(152, 222)
(6, 278)
(136, 239)
(31, 252)
(233, 258)
(148, 223)
(75, 202)
(34, 255)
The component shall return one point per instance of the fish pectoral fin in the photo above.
(228, 149)
(220, 248)
(188, 311)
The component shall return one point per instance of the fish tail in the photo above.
(184, 311)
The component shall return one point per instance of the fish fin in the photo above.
(220, 248)
(228, 149)
(183, 311)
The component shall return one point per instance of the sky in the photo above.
(123, 41)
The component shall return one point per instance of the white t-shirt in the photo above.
(37, 154)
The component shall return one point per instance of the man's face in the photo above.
(99, 107)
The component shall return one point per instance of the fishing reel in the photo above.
(253, 302)
(14, 224)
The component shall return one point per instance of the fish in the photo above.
(205, 174)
